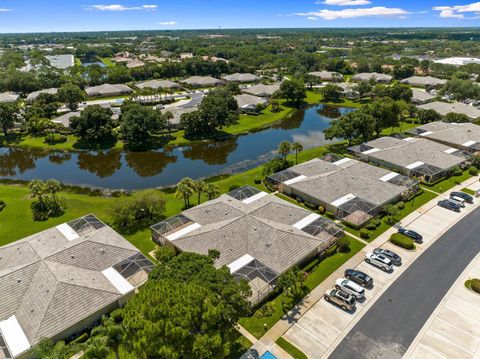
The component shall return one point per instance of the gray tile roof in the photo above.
(262, 90)
(50, 283)
(249, 101)
(327, 75)
(444, 108)
(177, 113)
(328, 182)
(61, 61)
(262, 229)
(367, 76)
(454, 134)
(156, 84)
(6, 97)
(33, 95)
(404, 153)
(241, 77)
(108, 90)
(423, 81)
(421, 96)
(202, 81)
(64, 119)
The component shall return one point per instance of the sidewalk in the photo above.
(453, 330)
(429, 219)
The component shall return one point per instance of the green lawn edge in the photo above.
(290, 348)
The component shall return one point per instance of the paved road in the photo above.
(393, 322)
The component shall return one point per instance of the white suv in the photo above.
(379, 260)
(350, 287)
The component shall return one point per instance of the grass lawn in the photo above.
(107, 61)
(78, 62)
(449, 183)
(410, 206)
(290, 348)
(317, 274)
(404, 126)
(468, 191)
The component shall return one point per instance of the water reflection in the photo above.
(58, 157)
(148, 164)
(329, 111)
(103, 163)
(19, 160)
(212, 153)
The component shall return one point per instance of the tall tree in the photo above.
(363, 88)
(200, 187)
(284, 149)
(297, 147)
(71, 95)
(9, 114)
(358, 125)
(94, 125)
(293, 91)
(331, 92)
(185, 189)
(211, 190)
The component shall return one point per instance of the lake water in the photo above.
(137, 170)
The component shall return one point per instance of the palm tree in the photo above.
(38, 191)
(185, 188)
(52, 187)
(211, 190)
(284, 149)
(297, 147)
(96, 347)
(112, 331)
(200, 188)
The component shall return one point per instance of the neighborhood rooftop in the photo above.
(250, 228)
(421, 96)
(444, 108)
(54, 282)
(375, 76)
(241, 77)
(262, 90)
(249, 102)
(33, 95)
(465, 136)
(156, 84)
(327, 75)
(423, 81)
(199, 81)
(108, 90)
(6, 97)
(351, 189)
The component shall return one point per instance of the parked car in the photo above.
(457, 200)
(340, 298)
(445, 203)
(359, 277)
(394, 257)
(417, 237)
(465, 196)
(350, 287)
(379, 261)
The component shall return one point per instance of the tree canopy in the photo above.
(94, 125)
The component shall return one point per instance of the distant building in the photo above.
(262, 90)
(64, 119)
(107, 90)
(349, 90)
(462, 136)
(259, 236)
(159, 84)
(58, 282)
(327, 75)
(135, 63)
(7, 97)
(444, 108)
(373, 76)
(423, 81)
(458, 61)
(241, 78)
(177, 113)
(61, 61)
(250, 103)
(202, 81)
(413, 157)
(33, 95)
(421, 96)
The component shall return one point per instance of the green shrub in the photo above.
(377, 222)
(291, 349)
(402, 241)
(364, 233)
(265, 310)
(400, 205)
(321, 210)
(371, 226)
(475, 285)
(390, 220)
(2, 205)
(55, 138)
(343, 245)
(473, 171)
(457, 171)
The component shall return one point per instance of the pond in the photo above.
(99, 63)
(116, 169)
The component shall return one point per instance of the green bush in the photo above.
(371, 226)
(343, 245)
(475, 285)
(402, 241)
(364, 233)
(2, 205)
(390, 220)
(473, 171)
(400, 205)
(321, 210)
(457, 171)
(265, 310)
(377, 222)
(55, 138)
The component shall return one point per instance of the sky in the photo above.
(100, 15)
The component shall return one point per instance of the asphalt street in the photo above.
(392, 323)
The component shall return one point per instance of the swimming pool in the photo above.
(268, 355)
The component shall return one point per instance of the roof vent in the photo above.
(269, 244)
(19, 280)
(72, 256)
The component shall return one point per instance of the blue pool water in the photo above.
(268, 355)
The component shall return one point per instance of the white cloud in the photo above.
(312, 18)
(5, 10)
(345, 2)
(167, 23)
(458, 11)
(121, 7)
(354, 13)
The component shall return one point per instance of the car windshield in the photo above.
(343, 294)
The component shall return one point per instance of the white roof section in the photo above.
(306, 221)
(14, 336)
(342, 200)
(373, 150)
(409, 139)
(183, 231)
(118, 281)
(255, 197)
(426, 133)
(240, 263)
(389, 176)
(414, 165)
(342, 161)
(68, 232)
(450, 150)
(469, 143)
(295, 179)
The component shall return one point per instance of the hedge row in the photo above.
(402, 241)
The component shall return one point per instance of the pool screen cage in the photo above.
(475, 147)
(278, 178)
(357, 211)
(324, 229)
(135, 269)
(332, 158)
(260, 277)
(244, 192)
(163, 228)
(417, 131)
(428, 173)
(359, 149)
(86, 224)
